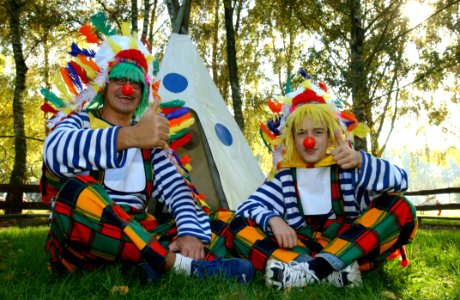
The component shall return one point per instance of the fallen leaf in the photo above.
(389, 295)
(120, 289)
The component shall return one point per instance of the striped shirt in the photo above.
(73, 148)
(277, 197)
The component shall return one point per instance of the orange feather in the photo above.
(267, 131)
(88, 32)
(275, 107)
(179, 120)
(68, 81)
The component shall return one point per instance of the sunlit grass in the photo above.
(433, 274)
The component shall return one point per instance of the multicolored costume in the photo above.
(95, 222)
(340, 215)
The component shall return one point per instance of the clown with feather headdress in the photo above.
(107, 155)
(326, 211)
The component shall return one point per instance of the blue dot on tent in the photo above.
(175, 83)
(223, 134)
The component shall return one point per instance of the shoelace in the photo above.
(300, 274)
(336, 278)
(341, 278)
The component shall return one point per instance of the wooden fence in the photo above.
(39, 205)
(24, 205)
(439, 207)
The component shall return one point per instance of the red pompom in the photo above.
(307, 96)
(404, 262)
(182, 141)
(185, 159)
(133, 55)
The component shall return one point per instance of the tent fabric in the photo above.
(184, 76)
(204, 174)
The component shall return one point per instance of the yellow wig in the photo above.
(320, 114)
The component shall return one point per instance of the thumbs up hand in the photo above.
(345, 156)
(152, 131)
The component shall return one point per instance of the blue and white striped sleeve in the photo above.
(171, 189)
(380, 176)
(72, 147)
(266, 202)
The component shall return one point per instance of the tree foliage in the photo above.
(358, 47)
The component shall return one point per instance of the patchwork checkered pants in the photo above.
(88, 230)
(388, 224)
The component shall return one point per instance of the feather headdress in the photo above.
(309, 92)
(86, 74)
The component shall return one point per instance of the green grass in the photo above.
(440, 222)
(433, 274)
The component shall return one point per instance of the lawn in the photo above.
(433, 273)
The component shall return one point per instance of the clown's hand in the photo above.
(345, 156)
(189, 246)
(285, 235)
(152, 131)
(155, 127)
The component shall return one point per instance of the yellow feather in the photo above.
(183, 125)
(283, 99)
(307, 84)
(326, 96)
(90, 73)
(66, 110)
(61, 86)
(149, 58)
(361, 130)
(133, 43)
(277, 141)
(115, 47)
(96, 87)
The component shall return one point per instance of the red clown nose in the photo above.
(309, 142)
(127, 89)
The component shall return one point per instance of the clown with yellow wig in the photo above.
(326, 212)
(107, 156)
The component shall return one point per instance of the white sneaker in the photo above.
(281, 275)
(350, 276)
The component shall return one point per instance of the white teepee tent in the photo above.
(233, 168)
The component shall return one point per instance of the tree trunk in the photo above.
(134, 15)
(20, 146)
(46, 76)
(215, 42)
(289, 53)
(232, 65)
(152, 23)
(145, 22)
(358, 78)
